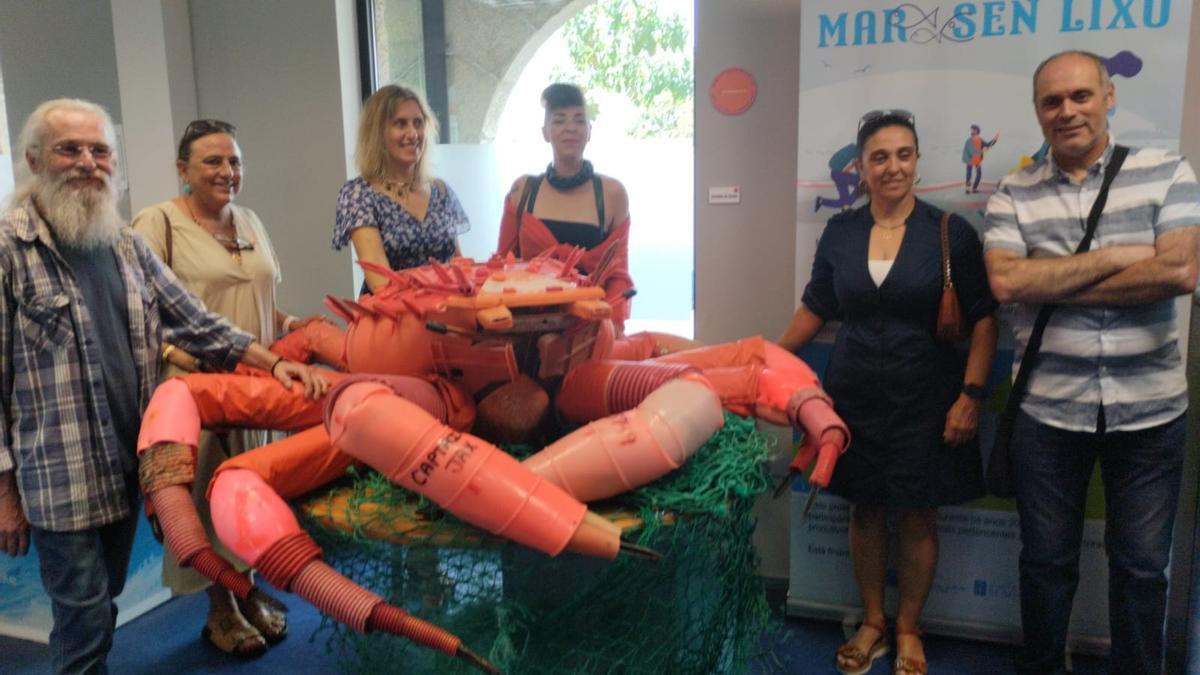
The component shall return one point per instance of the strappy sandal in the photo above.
(233, 635)
(266, 614)
(853, 661)
(904, 665)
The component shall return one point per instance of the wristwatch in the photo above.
(973, 391)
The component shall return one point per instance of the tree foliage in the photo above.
(627, 47)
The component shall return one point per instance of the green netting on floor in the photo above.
(702, 609)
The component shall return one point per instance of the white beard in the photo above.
(83, 215)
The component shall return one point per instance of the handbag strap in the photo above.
(947, 279)
(167, 237)
(1034, 345)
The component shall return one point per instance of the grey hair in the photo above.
(33, 138)
(1105, 79)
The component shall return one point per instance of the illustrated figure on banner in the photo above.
(972, 155)
(845, 178)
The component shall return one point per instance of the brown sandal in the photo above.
(233, 635)
(266, 614)
(856, 660)
(904, 665)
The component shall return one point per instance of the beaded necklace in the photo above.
(233, 244)
(563, 183)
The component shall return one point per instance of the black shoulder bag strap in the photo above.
(598, 187)
(528, 196)
(996, 483)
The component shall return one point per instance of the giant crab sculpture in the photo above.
(440, 351)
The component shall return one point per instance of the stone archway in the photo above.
(500, 92)
(488, 45)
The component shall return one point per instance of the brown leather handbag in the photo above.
(951, 327)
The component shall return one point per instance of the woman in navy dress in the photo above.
(395, 213)
(912, 402)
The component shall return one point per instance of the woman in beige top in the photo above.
(222, 254)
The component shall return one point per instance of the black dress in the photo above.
(890, 379)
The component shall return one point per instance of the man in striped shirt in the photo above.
(84, 306)
(1109, 382)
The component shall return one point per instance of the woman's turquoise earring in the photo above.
(187, 189)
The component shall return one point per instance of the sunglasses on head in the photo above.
(199, 128)
(873, 115)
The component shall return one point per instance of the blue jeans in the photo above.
(1141, 472)
(83, 572)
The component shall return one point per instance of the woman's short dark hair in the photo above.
(871, 126)
(561, 95)
(198, 129)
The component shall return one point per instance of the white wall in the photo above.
(56, 48)
(745, 253)
(282, 72)
(147, 44)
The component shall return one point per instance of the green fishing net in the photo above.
(702, 609)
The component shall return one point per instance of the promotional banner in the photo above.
(964, 69)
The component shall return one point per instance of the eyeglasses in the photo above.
(72, 150)
(894, 112)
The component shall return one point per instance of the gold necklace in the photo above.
(885, 243)
(227, 242)
(399, 190)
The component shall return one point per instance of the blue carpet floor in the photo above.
(167, 640)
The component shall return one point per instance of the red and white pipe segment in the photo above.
(782, 389)
(464, 474)
(668, 413)
(256, 524)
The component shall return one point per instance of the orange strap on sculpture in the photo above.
(316, 341)
(293, 465)
(257, 402)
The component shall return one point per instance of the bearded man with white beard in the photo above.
(84, 307)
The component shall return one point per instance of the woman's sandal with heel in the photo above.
(853, 661)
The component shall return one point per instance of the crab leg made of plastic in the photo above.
(439, 352)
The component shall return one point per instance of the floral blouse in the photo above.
(408, 242)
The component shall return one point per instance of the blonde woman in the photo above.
(395, 213)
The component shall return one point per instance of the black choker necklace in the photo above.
(569, 182)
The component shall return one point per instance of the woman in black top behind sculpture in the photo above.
(571, 205)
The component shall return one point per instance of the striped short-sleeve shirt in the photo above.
(1125, 358)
